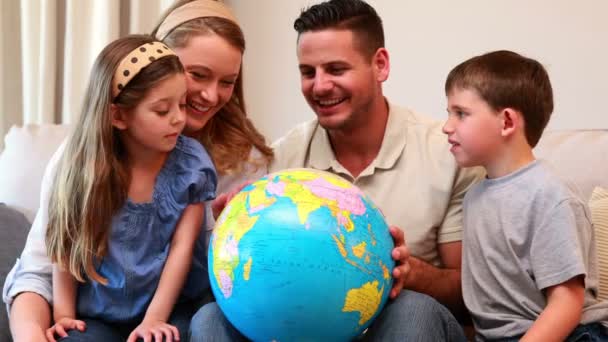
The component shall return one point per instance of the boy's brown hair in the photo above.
(505, 79)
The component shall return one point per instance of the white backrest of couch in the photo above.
(579, 155)
(26, 152)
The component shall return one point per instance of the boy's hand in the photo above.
(62, 326)
(401, 255)
(154, 331)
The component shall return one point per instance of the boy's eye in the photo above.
(228, 83)
(162, 112)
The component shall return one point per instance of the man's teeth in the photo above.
(329, 102)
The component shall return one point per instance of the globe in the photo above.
(301, 255)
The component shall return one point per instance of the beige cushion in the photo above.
(599, 212)
(579, 155)
(26, 152)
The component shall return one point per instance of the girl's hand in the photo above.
(62, 326)
(401, 255)
(154, 331)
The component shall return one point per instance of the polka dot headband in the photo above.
(193, 10)
(135, 61)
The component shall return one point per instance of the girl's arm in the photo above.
(562, 313)
(173, 276)
(64, 304)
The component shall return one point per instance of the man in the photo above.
(399, 158)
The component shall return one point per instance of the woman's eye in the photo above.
(197, 75)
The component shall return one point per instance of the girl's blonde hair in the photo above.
(92, 178)
(229, 136)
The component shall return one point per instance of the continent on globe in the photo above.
(301, 255)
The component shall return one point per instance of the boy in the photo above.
(529, 259)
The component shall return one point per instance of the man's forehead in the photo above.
(325, 46)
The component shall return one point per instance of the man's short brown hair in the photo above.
(505, 79)
(356, 16)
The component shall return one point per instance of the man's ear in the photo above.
(382, 64)
(511, 121)
(117, 116)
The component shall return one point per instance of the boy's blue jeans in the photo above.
(593, 332)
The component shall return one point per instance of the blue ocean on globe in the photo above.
(301, 255)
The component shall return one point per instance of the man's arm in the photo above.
(443, 284)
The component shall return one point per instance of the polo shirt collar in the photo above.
(322, 156)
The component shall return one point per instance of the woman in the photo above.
(210, 45)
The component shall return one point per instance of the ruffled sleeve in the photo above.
(188, 176)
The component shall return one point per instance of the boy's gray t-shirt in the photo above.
(525, 232)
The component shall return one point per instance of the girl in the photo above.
(210, 45)
(126, 204)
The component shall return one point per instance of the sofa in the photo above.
(580, 155)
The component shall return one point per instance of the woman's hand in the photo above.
(154, 330)
(401, 256)
(222, 200)
(62, 326)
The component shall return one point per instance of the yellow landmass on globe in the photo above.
(247, 269)
(364, 300)
(306, 201)
(258, 199)
(348, 225)
(371, 234)
(385, 271)
(359, 250)
(340, 244)
(339, 182)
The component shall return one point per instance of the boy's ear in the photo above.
(117, 117)
(511, 121)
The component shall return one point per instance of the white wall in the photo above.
(425, 40)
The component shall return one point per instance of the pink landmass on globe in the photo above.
(225, 284)
(232, 247)
(348, 199)
(276, 188)
(257, 208)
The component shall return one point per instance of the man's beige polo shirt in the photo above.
(414, 180)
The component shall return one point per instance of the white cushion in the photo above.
(579, 155)
(27, 150)
(599, 213)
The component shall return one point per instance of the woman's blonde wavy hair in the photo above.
(92, 178)
(229, 135)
